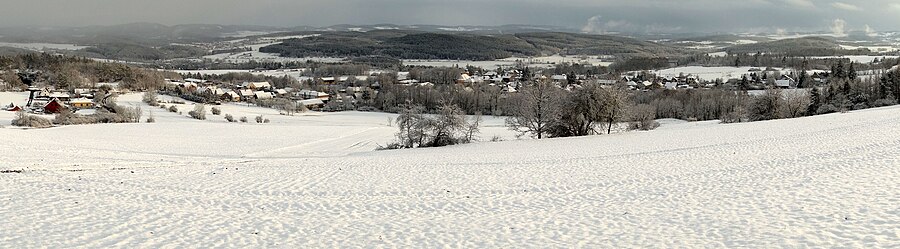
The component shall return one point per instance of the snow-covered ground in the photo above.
(42, 46)
(709, 73)
(860, 58)
(295, 73)
(255, 55)
(537, 62)
(313, 180)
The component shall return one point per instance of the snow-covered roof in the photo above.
(671, 85)
(259, 85)
(309, 102)
(81, 101)
(783, 83)
(263, 95)
(59, 95)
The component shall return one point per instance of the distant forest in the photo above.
(418, 45)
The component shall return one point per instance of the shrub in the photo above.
(449, 127)
(736, 116)
(266, 121)
(216, 111)
(128, 114)
(259, 119)
(230, 118)
(765, 107)
(173, 108)
(68, 118)
(25, 120)
(151, 119)
(884, 102)
(390, 146)
(827, 108)
(243, 119)
(643, 118)
(150, 98)
(199, 112)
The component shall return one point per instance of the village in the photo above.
(340, 93)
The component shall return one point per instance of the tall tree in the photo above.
(537, 108)
(614, 102)
(815, 100)
(804, 77)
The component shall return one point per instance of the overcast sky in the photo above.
(589, 15)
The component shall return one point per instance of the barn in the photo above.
(54, 106)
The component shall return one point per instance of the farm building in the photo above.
(259, 85)
(82, 103)
(54, 106)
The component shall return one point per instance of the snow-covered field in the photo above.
(313, 180)
(860, 58)
(42, 46)
(295, 73)
(538, 62)
(255, 55)
(713, 73)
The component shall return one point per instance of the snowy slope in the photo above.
(314, 181)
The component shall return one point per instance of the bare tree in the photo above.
(766, 106)
(794, 103)
(411, 125)
(473, 128)
(445, 126)
(643, 117)
(537, 108)
(150, 98)
(615, 100)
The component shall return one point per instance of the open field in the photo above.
(313, 180)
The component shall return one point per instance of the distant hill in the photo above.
(138, 33)
(406, 44)
(806, 46)
(151, 41)
(8, 51)
(722, 38)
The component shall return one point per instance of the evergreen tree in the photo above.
(839, 70)
(745, 84)
(815, 100)
(851, 73)
(801, 83)
(845, 89)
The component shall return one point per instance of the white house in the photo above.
(263, 95)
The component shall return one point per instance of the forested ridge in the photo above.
(456, 46)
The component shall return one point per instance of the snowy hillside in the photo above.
(314, 180)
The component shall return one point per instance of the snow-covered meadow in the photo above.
(314, 180)
(42, 46)
(536, 62)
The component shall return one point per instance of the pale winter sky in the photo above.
(589, 15)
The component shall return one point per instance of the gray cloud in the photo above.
(591, 15)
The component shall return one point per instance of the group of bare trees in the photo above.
(544, 110)
(449, 126)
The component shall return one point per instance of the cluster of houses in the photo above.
(49, 101)
(250, 92)
(756, 79)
